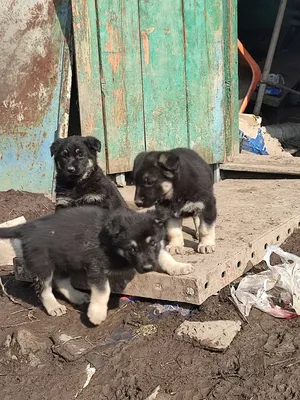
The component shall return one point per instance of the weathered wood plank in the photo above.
(231, 100)
(163, 74)
(263, 164)
(88, 71)
(123, 95)
(203, 21)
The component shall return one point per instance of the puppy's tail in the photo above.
(14, 232)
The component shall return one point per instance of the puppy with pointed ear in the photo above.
(93, 143)
(169, 163)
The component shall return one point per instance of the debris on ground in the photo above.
(255, 138)
(10, 248)
(275, 291)
(23, 344)
(288, 135)
(163, 307)
(70, 348)
(154, 394)
(211, 335)
(90, 371)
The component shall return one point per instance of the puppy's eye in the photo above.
(133, 249)
(79, 153)
(153, 244)
(65, 153)
(148, 182)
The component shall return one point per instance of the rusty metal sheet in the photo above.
(35, 89)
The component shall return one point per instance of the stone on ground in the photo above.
(211, 335)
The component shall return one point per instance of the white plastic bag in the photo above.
(275, 291)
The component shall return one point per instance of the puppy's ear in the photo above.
(169, 163)
(55, 146)
(93, 143)
(114, 227)
(138, 162)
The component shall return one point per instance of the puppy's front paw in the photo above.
(205, 248)
(175, 249)
(183, 269)
(57, 311)
(96, 314)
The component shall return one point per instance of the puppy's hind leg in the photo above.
(43, 287)
(207, 236)
(100, 292)
(63, 285)
(172, 267)
(197, 223)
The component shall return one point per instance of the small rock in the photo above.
(28, 342)
(211, 335)
(33, 360)
(70, 348)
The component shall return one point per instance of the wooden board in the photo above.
(205, 77)
(263, 164)
(168, 76)
(122, 82)
(163, 68)
(85, 30)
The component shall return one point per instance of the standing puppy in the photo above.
(79, 179)
(181, 181)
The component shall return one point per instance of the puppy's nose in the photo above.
(71, 169)
(139, 202)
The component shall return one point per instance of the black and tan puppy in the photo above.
(181, 181)
(91, 239)
(79, 179)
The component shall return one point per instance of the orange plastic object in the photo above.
(256, 73)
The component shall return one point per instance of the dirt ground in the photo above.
(134, 350)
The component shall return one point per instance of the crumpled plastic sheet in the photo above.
(275, 291)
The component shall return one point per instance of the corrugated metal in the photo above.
(35, 83)
(168, 73)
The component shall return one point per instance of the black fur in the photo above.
(79, 179)
(182, 182)
(89, 238)
(190, 176)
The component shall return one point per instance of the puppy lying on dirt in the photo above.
(93, 239)
(80, 181)
(181, 181)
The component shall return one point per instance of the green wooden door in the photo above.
(165, 76)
